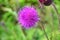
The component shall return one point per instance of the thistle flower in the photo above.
(46, 2)
(28, 17)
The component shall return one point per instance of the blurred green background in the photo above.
(11, 30)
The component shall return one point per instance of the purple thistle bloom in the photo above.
(28, 17)
(46, 2)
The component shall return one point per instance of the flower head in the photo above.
(28, 17)
(46, 2)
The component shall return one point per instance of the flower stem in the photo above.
(45, 33)
(57, 14)
(42, 10)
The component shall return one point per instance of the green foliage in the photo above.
(11, 30)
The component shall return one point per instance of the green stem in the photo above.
(57, 13)
(45, 33)
(42, 10)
